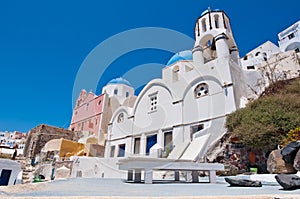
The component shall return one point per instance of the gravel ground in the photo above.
(115, 188)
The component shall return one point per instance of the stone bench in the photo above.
(135, 166)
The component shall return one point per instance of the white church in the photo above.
(182, 114)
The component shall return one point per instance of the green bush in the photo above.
(293, 135)
(265, 122)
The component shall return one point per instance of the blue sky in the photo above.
(43, 44)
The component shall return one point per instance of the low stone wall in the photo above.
(44, 169)
(94, 167)
(63, 169)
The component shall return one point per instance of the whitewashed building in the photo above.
(269, 63)
(10, 140)
(258, 55)
(289, 39)
(183, 113)
(10, 172)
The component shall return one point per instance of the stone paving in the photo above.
(116, 188)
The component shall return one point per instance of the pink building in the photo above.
(87, 113)
(92, 112)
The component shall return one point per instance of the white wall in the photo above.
(121, 91)
(257, 55)
(166, 114)
(93, 167)
(283, 36)
(206, 107)
(11, 151)
(128, 146)
(13, 166)
(120, 129)
(284, 65)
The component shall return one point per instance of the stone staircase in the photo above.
(27, 170)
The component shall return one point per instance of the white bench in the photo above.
(135, 166)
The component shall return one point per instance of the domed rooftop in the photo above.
(209, 10)
(183, 55)
(119, 80)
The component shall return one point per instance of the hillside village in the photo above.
(181, 116)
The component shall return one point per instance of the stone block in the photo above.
(276, 165)
(297, 161)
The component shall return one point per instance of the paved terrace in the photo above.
(83, 188)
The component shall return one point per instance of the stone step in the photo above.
(21, 157)
(28, 171)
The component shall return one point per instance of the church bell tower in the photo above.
(214, 38)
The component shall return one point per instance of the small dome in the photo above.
(183, 55)
(119, 80)
(208, 10)
(204, 12)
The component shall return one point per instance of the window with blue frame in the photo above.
(116, 91)
(151, 140)
(121, 150)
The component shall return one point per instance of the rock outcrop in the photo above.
(289, 151)
(235, 182)
(297, 161)
(276, 164)
(288, 181)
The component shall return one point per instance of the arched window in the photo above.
(227, 25)
(153, 102)
(201, 90)
(175, 73)
(197, 29)
(116, 91)
(120, 118)
(265, 57)
(256, 54)
(216, 17)
(209, 43)
(203, 22)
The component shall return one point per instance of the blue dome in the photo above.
(183, 55)
(208, 10)
(119, 80)
(204, 12)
